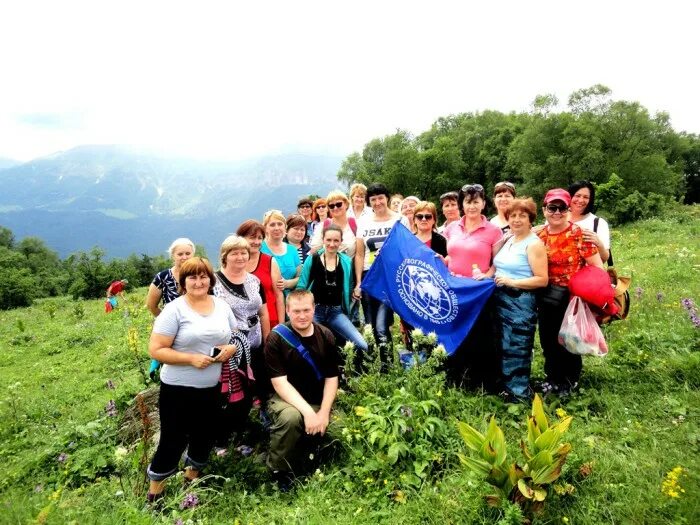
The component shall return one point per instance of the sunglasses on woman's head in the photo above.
(423, 217)
(506, 184)
(333, 205)
(553, 208)
(473, 188)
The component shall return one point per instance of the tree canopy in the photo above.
(593, 138)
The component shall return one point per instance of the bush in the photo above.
(17, 288)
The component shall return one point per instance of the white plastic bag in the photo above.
(579, 332)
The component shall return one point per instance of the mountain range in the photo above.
(129, 201)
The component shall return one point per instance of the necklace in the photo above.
(330, 273)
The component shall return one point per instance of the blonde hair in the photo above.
(182, 241)
(232, 242)
(272, 214)
(337, 195)
(426, 206)
(358, 186)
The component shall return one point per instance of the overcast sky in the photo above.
(233, 79)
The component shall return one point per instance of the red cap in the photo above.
(557, 194)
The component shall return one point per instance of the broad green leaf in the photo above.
(393, 453)
(539, 494)
(541, 460)
(548, 473)
(475, 465)
(564, 424)
(547, 440)
(472, 437)
(539, 414)
(526, 491)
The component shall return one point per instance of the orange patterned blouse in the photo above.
(566, 253)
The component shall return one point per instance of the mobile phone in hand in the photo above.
(215, 351)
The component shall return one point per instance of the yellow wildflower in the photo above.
(360, 411)
(671, 486)
(561, 413)
(399, 496)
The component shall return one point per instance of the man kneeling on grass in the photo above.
(302, 360)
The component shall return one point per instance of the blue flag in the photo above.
(411, 279)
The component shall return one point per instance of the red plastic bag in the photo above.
(579, 332)
(108, 306)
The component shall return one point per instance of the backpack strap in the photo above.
(353, 225)
(595, 230)
(292, 340)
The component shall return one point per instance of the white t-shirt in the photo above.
(373, 233)
(194, 334)
(367, 211)
(348, 245)
(603, 228)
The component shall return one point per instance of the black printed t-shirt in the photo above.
(283, 360)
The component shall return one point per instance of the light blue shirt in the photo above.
(511, 261)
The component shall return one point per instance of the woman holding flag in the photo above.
(372, 231)
(472, 243)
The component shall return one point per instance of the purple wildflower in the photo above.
(191, 501)
(62, 457)
(695, 320)
(638, 292)
(406, 411)
(688, 304)
(110, 384)
(179, 522)
(659, 296)
(111, 408)
(245, 450)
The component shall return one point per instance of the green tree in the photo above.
(7, 238)
(89, 276)
(45, 265)
(18, 286)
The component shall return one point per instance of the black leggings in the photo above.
(187, 420)
(561, 367)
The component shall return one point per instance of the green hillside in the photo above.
(63, 363)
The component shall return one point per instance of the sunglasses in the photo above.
(449, 195)
(305, 206)
(473, 188)
(423, 217)
(333, 205)
(506, 184)
(553, 208)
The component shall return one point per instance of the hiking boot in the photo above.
(284, 480)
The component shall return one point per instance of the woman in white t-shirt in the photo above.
(372, 232)
(183, 337)
(595, 229)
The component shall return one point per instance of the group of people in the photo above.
(266, 326)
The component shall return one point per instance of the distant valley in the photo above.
(127, 201)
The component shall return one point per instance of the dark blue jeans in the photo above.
(333, 317)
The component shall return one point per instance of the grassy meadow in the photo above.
(69, 372)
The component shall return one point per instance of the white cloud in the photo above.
(230, 79)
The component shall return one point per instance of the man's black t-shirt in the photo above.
(283, 360)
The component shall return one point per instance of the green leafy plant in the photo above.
(525, 484)
(396, 431)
